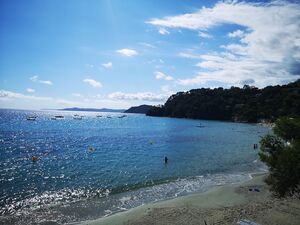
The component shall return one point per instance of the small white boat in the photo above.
(31, 118)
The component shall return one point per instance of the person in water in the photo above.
(166, 159)
(34, 158)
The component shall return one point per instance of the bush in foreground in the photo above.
(281, 153)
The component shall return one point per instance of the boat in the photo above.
(31, 118)
(59, 117)
(108, 117)
(122, 116)
(77, 117)
(98, 115)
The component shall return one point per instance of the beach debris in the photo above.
(247, 222)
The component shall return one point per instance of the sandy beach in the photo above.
(221, 205)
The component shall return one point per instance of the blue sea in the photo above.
(98, 166)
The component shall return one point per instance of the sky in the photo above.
(117, 54)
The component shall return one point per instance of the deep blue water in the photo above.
(126, 167)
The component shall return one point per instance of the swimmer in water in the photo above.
(34, 158)
(166, 159)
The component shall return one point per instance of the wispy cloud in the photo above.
(89, 66)
(204, 35)
(189, 55)
(161, 76)
(236, 34)
(4, 95)
(144, 96)
(127, 52)
(30, 90)
(267, 50)
(12, 99)
(77, 95)
(93, 83)
(147, 45)
(163, 31)
(107, 65)
(35, 78)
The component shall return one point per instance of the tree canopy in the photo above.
(281, 153)
(247, 104)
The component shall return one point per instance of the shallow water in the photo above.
(123, 169)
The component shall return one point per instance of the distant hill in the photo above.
(247, 104)
(139, 109)
(93, 109)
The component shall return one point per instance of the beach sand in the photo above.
(221, 205)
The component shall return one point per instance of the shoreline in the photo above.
(226, 204)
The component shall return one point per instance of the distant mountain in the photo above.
(143, 109)
(93, 110)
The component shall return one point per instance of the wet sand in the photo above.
(221, 205)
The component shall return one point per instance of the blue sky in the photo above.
(116, 54)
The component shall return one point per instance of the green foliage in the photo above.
(281, 153)
(247, 104)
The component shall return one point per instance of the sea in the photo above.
(66, 170)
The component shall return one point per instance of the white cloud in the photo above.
(142, 96)
(93, 83)
(204, 35)
(267, 53)
(127, 52)
(35, 78)
(48, 82)
(161, 76)
(30, 90)
(107, 65)
(163, 31)
(5, 95)
(236, 34)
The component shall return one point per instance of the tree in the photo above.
(281, 153)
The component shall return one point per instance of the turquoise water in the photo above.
(97, 166)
